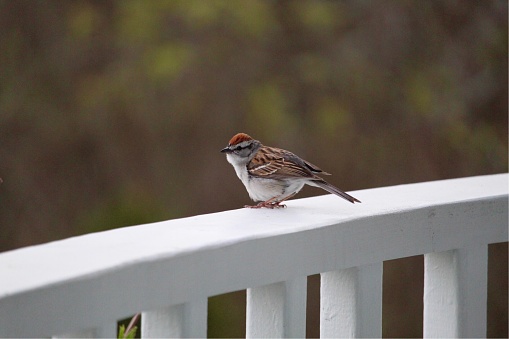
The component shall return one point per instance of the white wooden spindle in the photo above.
(351, 302)
(455, 293)
(187, 320)
(166, 322)
(277, 310)
(195, 319)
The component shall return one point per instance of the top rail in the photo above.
(90, 280)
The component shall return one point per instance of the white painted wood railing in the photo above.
(167, 270)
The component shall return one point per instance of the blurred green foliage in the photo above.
(129, 335)
(112, 113)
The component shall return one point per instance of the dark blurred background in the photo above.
(112, 113)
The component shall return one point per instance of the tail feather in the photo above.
(334, 190)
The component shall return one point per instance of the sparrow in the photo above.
(272, 175)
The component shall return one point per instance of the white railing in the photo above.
(167, 270)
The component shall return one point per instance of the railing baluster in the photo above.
(351, 302)
(178, 321)
(195, 319)
(455, 293)
(166, 322)
(277, 310)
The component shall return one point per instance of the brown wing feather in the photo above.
(277, 164)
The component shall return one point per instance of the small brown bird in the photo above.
(272, 175)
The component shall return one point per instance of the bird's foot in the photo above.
(266, 204)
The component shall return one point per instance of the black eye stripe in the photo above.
(241, 146)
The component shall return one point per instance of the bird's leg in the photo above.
(278, 204)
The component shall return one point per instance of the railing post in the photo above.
(277, 310)
(351, 302)
(455, 293)
(187, 320)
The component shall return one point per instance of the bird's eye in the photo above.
(238, 148)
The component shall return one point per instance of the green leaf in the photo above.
(129, 335)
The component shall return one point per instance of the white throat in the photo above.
(239, 164)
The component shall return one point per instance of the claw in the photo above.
(278, 205)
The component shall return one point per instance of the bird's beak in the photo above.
(226, 150)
